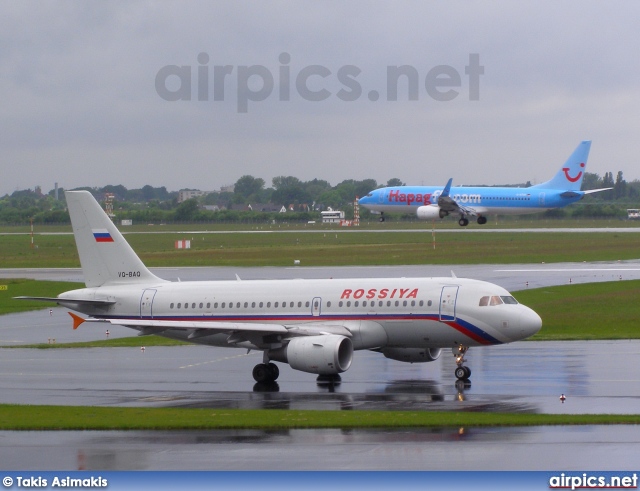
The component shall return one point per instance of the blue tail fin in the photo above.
(570, 175)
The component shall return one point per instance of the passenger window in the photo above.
(200, 304)
(208, 305)
(299, 304)
(307, 304)
(291, 304)
(429, 303)
(397, 303)
(349, 303)
(388, 303)
(275, 305)
(380, 303)
(404, 304)
(253, 305)
(223, 304)
(413, 303)
(260, 304)
(171, 306)
(268, 305)
(246, 304)
(238, 305)
(364, 303)
(484, 301)
(193, 305)
(421, 303)
(215, 305)
(340, 303)
(328, 304)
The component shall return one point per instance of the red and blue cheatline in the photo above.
(102, 235)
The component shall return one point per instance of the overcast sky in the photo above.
(87, 87)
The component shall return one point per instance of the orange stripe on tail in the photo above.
(77, 320)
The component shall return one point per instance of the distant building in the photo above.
(228, 189)
(186, 194)
(332, 216)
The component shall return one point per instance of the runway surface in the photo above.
(510, 276)
(596, 377)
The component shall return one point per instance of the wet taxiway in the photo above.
(596, 377)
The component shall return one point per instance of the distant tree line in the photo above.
(303, 201)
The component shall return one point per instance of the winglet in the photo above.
(77, 320)
(447, 188)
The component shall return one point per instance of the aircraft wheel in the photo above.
(274, 371)
(482, 220)
(468, 372)
(381, 219)
(328, 379)
(463, 222)
(261, 373)
(442, 213)
(461, 373)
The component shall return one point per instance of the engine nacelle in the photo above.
(412, 355)
(328, 354)
(430, 212)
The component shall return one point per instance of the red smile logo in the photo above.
(572, 179)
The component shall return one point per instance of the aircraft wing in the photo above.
(207, 328)
(448, 204)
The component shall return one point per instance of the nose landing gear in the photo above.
(462, 372)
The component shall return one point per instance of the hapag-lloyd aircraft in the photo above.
(313, 325)
(431, 202)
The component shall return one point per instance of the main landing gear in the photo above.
(482, 220)
(463, 222)
(381, 219)
(462, 372)
(265, 372)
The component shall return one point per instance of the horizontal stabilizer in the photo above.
(66, 300)
(591, 191)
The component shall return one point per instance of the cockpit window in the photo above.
(509, 299)
(496, 300)
(369, 195)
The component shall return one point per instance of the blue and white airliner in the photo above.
(431, 202)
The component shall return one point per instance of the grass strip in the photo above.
(17, 417)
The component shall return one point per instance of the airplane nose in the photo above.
(530, 322)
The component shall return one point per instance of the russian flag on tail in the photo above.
(102, 235)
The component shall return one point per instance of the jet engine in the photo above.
(328, 354)
(412, 355)
(430, 212)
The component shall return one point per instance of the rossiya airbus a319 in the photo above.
(436, 202)
(313, 325)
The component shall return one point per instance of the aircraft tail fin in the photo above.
(105, 256)
(570, 175)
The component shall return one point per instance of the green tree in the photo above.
(248, 185)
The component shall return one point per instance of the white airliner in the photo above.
(313, 325)
(433, 202)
